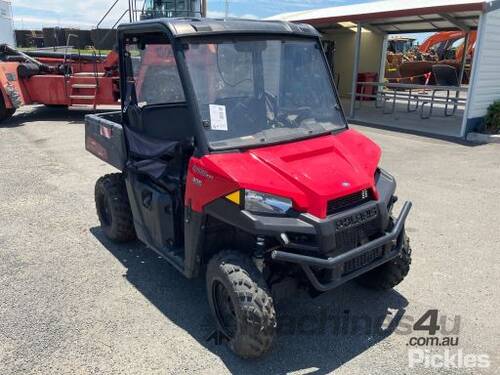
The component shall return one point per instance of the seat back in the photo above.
(170, 122)
(155, 131)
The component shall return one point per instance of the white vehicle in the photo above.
(6, 26)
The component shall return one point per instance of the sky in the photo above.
(85, 14)
(30, 14)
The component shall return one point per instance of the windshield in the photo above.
(257, 92)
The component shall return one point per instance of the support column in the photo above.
(203, 8)
(383, 59)
(464, 57)
(355, 70)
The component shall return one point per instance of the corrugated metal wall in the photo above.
(485, 86)
(6, 29)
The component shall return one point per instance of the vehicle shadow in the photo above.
(317, 334)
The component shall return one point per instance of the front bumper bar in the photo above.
(306, 262)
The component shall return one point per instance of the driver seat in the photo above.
(152, 153)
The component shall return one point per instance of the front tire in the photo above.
(5, 113)
(113, 208)
(389, 274)
(241, 304)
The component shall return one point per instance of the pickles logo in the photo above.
(447, 359)
(422, 352)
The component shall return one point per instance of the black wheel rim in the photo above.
(224, 309)
(105, 211)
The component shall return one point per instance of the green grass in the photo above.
(492, 119)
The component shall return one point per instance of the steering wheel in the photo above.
(303, 114)
(241, 109)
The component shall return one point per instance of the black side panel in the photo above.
(105, 139)
(194, 239)
(153, 211)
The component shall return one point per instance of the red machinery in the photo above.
(75, 80)
(56, 79)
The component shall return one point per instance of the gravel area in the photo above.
(72, 302)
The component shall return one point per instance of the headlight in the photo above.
(266, 203)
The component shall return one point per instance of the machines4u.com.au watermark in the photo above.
(437, 346)
(433, 339)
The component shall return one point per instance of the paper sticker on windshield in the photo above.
(218, 118)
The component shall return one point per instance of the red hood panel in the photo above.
(310, 172)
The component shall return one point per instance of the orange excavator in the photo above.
(445, 44)
(445, 47)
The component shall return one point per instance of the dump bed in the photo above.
(105, 139)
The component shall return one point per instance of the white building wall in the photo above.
(485, 80)
(369, 58)
(6, 26)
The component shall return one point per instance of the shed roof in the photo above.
(396, 16)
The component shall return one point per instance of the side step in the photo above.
(175, 256)
(81, 106)
(84, 90)
(84, 86)
(82, 97)
(89, 74)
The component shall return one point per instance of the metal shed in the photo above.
(361, 32)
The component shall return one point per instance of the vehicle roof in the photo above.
(181, 27)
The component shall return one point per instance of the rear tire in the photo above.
(5, 113)
(241, 304)
(113, 208)
(389, 274)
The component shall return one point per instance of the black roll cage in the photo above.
(177, 42)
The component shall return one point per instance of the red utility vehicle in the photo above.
(237, 163)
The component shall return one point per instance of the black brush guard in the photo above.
(394, 237)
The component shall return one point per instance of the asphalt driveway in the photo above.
(72, 302)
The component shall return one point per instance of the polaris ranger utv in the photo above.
(237, 163)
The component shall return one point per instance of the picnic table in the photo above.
(390, 92)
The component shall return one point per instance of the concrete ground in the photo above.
(438, 124)
(72, 302)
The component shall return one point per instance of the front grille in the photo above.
(348, 239)
(349, 201)
(362, 260)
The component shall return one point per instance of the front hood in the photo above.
(310, 172)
